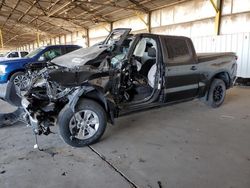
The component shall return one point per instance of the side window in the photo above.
(13, 55)
(70, 49)
(178, 51)
(51, 54)
(177, 48)
(24, 54)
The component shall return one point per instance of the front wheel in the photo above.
(85, 126)
(20, 81)
(217, 93)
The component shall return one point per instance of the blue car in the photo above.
(12, 72)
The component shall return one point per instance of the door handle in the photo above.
(193, 68)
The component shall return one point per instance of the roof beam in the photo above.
(60, 8)
(13, 9)
(29, 23)
(27, 11)
(114, 6)
(91, 12)
(29, 26)
(217, 7)
(70, 18)
(139, 6)
(1, 4)
(50, 15)
(133, 5)
(1, 38)
(48, 8)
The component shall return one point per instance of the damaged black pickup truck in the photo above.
(83, 90)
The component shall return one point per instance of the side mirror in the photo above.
(41, 58)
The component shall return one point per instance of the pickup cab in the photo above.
(13, 55)
(12, 72)
(83, 90)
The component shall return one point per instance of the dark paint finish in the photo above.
(181, 75)
(111, 75)
(189, 77)
(180, 79)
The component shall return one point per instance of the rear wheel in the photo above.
(85, 126)
(217, 93)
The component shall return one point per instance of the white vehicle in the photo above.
(13, 55)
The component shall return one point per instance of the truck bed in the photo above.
(204, 57)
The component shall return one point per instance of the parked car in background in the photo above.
(13, 55)
(12, 72)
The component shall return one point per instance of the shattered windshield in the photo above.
(114, 37)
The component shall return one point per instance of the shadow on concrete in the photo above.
(11, 118)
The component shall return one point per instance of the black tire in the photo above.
(66, 116)
(217, 93)
(12, 78)
(13, 96)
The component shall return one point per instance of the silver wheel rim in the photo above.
(21, 82)
(84, 124)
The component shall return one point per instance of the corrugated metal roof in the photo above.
(20, 20)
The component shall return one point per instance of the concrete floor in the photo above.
(186, 145)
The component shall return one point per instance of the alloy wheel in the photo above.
(218, 93)
(84, 124)
(21, 82)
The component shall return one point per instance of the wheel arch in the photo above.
(99, 97)
(15, 71)
(96, 94)
(223, 75)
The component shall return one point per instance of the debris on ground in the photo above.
(8, 119)
(142, 160)
(227, 116)
(159, 184)
(64, 173)
(114, 151)
(2, 172)
(51, 152)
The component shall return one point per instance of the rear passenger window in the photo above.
(24, 54)
(177, 47)
(70, 49)
(178, 51)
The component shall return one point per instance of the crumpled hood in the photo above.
(79, 57)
